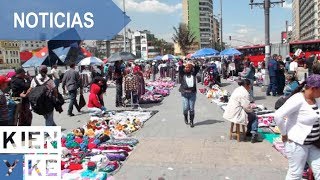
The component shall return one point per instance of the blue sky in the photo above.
(239, 21)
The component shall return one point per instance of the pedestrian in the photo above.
(43, 79)
(272, 68)
(291, 86)
(281, 78)
(21, 84)
(147, 69)
(293, 67)
(106, 71)
(95, 106)
(248, 73)
(181, 70)
(239, 111)
(4, 110)
(154, 71)
(298, 121)
(309, 63)
(55, 76)
(188, 90)
(103, 89)
(72, 80)
(118, 76)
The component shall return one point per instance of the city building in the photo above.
(295, 20)
(32, 45)
(142, 45)
(216, 30)
(10, 54)
(306, 17)
(198, 15)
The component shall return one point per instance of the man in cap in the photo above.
(4, 111)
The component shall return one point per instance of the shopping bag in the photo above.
(82, 101)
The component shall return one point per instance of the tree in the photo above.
(183, 37)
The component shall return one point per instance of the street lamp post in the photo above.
(266, 5)
(221, 35)
(125, 29)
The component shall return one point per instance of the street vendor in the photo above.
(239, 110)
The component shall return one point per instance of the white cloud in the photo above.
(287, 5)
(150, 6)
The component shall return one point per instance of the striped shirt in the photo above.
(315, 131)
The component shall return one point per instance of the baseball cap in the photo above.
(4, 79)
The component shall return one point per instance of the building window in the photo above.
(7, 61)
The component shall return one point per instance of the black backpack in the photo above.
(41, 98)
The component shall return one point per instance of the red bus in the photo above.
(308, 48)
(255, 53)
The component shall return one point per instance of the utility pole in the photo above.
(221, 35)
(266, 5)
(125, 29)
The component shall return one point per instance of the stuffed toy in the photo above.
(90, 133)
(79, 132)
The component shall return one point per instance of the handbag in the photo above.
(82, 101)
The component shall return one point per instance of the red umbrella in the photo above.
(189, 56)
(25, 55)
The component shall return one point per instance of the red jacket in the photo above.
(93, 97)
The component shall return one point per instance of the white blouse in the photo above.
(190, 81)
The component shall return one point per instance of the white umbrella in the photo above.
(168, 57)
(90, 61)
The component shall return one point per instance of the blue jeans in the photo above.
(188, 100)
(272, 86)
(252, 126)
(73, 101)
(49, 119)
(56, 82)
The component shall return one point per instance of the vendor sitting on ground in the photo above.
(292, 85)
(239, 110)
(94, 105)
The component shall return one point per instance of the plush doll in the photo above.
(79, 132)
(90, 133)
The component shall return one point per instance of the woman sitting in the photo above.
(94, 105)
(239, 110)
(292, 85)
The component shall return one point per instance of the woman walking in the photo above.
(188, 91)
(298, 121)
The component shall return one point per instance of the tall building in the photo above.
(142, 45)
(306, 17)
(9, 54)
(295, 20)
(198, 15)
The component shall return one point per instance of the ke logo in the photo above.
(10, 166)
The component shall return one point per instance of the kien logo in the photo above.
(11, 166)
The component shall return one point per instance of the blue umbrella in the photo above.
(158, 58)
(230, 52)
(205, 52)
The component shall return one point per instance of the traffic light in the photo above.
(230, 38)
(251, 1)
